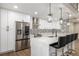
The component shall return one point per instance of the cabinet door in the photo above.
(12, 17)
(3, 30)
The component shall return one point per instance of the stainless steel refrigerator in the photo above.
(22, 35)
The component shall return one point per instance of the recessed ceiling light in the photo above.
(35, 12)
(78, 19)
(15, 6)
(70, 15)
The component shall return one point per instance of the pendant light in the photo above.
(50, 14)
(61, 19)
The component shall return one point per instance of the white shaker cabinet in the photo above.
(12, 17)
(9, 18)
(3, 40)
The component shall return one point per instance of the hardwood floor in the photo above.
(76, 52)
(25, 52)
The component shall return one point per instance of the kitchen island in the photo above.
(40, 46)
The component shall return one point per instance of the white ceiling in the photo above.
(30, 8)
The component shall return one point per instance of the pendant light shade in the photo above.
(50, 18)
(61, 19)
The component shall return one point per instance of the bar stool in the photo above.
(59, 44)
(76, 36)
(72, 39)
(68, 40)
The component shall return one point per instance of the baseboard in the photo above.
(6, 52)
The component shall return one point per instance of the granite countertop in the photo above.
(47, 38)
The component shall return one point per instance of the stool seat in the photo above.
(55, 45)
(68, 39)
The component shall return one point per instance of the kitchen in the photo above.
(35, 26)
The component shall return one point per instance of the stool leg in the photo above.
(71, 44)
(63, 51)
(71, 48)
(68, 49)
(55, 52)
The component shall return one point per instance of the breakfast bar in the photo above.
(40, 46)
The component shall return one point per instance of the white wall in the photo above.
(76, 28)
(71, 27)
(7, 41)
